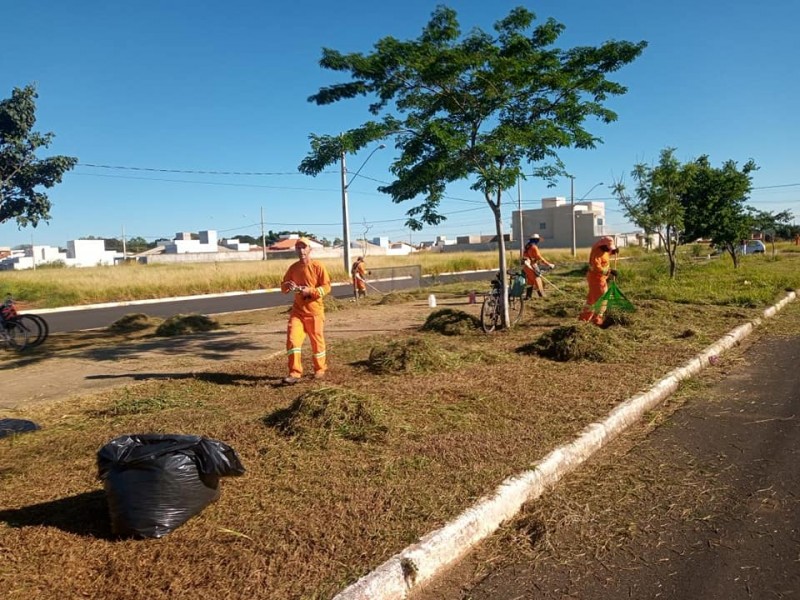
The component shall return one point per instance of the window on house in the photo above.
(542, 226)
(599, 222)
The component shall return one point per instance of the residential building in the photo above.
(553, 222)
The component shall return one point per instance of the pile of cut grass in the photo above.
(412, 355)
(182, 324)
(582, 341)
(448, 321)
(133, 322)
(331, 411)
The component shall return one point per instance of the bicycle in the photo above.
(13, 334)
(36, 326)
(492, 309)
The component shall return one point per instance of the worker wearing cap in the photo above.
(309, 281)
(597, 277)
(531, 259)
(359, 273)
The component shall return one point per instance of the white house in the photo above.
(80, 253)
(184, 244)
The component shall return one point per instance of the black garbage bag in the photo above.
(154, 483)
(12, 426)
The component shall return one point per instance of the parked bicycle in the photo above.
(34, 327)
(13, 334)
(492, 309)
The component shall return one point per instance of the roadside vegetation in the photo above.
(403, 436)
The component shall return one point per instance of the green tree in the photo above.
(772, 225)
(477, 107)
(656, 205)
(21, 172)
(714, 203)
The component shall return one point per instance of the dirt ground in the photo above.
(75, 363)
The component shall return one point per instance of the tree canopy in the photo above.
(21, 172)
(714, 203)
(656, 204)
(478, 107)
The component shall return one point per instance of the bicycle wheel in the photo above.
(38, 328)
(515, 309)
(16, 335)
(490, 314)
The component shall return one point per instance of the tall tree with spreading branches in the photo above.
(479, 107)
(22, 173)
(656, 204)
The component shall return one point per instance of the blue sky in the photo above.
(211, 86)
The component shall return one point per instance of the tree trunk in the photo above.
(501, 248)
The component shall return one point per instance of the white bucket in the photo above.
(432, 301)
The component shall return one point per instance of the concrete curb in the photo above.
(440, 549)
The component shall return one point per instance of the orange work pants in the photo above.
(296, 331)
(597, 287)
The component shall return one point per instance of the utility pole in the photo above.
(519, 212)
(572, 213)
(124, 252)
(345, 215)
(263, 237)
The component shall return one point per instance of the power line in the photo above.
(195, 171)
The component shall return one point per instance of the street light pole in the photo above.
(345, 207)
(572, 213)
(345, 217)
(572, 207)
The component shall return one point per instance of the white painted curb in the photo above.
(439, 549)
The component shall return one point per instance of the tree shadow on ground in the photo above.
(210, 376)
(104, 346)
(84, 514)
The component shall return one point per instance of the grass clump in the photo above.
(331, 411)
(396, 298)
(131, 404)
(181, 324)
(132, 323)
(413, 355)
(448, 321)
(618, 317)
(583, 341)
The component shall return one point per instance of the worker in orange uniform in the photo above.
(597, 277)
(359, 273)
(531, 259)
(310, 282)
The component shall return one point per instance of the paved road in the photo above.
(91, 318)
(727, 528)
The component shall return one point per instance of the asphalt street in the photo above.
(81, 318)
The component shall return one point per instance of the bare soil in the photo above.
(75, 363)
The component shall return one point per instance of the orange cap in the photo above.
(302, 241)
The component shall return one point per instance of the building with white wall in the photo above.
(184, 244)
(553, 222)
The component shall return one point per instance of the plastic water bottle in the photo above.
(432, 301)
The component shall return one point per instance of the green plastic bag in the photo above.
(612, 299)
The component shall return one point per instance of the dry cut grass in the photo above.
(403, 436)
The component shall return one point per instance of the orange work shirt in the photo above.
(599, 261)
(313, 275)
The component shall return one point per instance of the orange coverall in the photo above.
(597, 278)
(307, 315)
(532, 276)
(359, 272)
